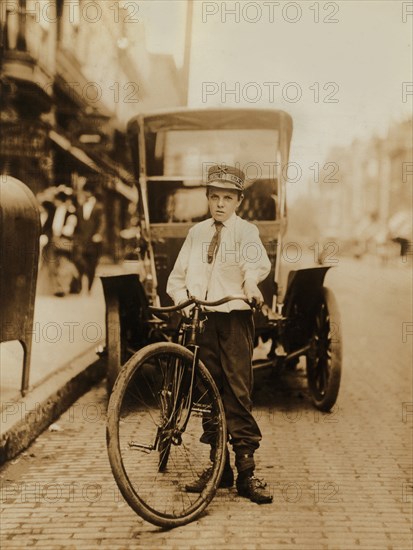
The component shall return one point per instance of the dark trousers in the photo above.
(57, 256)
(226, 348)
(87, 258)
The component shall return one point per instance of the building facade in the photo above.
(373, 184)
(72, 72)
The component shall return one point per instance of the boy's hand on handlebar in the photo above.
(253, 293)
(186, 311)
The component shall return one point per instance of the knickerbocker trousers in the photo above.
(226, 348)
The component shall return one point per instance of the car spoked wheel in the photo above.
(325, 355)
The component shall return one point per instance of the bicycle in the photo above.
(163, 408)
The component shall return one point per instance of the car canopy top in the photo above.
(209, 119)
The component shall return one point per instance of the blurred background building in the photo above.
(369, 198)
(71, 74)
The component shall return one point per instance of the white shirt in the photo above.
(240, 256)
(59, 220)
(88, 207)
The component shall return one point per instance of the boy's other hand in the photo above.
(186, 311)
(253, 293)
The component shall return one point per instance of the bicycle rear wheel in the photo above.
(154, 432)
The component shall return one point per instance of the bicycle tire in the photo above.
(155, 488)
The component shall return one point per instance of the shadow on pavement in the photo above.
(283, 388)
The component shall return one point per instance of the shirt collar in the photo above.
(229, 223)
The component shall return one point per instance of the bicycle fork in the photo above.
(171, 402)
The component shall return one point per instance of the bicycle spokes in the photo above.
(162, 434)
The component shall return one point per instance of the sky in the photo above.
(164, 22)
(337, 67)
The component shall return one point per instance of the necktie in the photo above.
(214, 244)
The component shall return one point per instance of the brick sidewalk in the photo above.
(340, 481)
(63, 329)
(66, 333)
(333, 488)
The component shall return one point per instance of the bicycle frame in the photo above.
(192, 329)
(165, 404)
(187, 338)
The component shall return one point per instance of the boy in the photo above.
(223, 256)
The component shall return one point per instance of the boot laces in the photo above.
(258, 483)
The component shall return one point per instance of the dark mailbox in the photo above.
(19, 254)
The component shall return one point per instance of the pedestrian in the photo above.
(223, 256)
(59, 222)
(89, 233)
(47, 210)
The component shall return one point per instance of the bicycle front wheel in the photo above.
(154, 432)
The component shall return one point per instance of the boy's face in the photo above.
(223, 203)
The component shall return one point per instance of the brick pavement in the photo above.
(332, 488)
(340, 481)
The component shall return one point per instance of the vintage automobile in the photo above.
(172, 152)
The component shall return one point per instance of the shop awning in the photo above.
(131, 193)
(80, 155)
(115, 181)
(112, 167)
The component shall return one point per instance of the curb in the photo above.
(23, 420)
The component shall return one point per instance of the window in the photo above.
(178, 163)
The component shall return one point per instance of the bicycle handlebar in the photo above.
(193, 300)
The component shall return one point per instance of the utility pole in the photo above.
(187, 50)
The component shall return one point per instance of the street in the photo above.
(340, 481)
